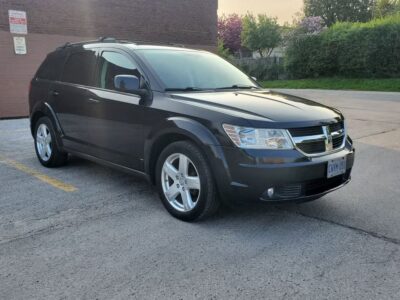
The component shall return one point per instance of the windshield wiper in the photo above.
(238, 86)
(186, 89)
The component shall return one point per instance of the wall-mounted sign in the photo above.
(18, 22)
(19, 45)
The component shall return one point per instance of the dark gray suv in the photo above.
(189, 122)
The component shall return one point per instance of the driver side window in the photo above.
(111, 65)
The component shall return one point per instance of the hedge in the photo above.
(369, 50)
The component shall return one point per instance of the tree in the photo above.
(229, 31)
(333, 11)
(305, 26)
(261, 34)
(386, 7)
(222, 50)
(311, 25)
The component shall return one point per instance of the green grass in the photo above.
(384, 85)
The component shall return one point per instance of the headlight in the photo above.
(253, 138)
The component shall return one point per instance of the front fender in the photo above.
(197, 133)
(181, 125)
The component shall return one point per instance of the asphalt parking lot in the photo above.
(86, 231)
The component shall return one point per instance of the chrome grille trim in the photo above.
(319, 138)
(308, 139)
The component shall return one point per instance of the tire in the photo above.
(190, 197)
(44, 136)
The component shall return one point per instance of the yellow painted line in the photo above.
(51, 181)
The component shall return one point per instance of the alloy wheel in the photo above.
(43, 142)
(180, 182)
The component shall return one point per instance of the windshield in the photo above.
(193, 70)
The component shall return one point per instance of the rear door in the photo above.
(71, 99)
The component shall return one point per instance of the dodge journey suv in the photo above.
(189, 122)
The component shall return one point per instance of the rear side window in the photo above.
(51, 67)
(79, 68)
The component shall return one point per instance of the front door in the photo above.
(116, 118)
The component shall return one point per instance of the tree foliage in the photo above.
(333, 11)
(229, 32)
(386, 7)
(311, 25)
(261, 33)
(222, 50)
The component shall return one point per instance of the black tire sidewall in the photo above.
(207, 186)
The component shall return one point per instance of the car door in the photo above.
(71, 98)
(115, 118)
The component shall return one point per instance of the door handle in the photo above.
(92, 100)
(55, 93)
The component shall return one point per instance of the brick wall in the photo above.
(53, 22)
(181, 21)
(16, 71)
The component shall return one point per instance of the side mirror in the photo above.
(254, 78)
(127, 83)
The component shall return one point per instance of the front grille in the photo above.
(288, 191)
(337, 142)
(305, 131)
(307, 188)
(312, 147)
(312, 140)
(336, 126)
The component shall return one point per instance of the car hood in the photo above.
(261, 105)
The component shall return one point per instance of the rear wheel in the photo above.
(46, 147)
(185, 182)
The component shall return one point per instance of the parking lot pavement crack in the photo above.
(377, 133)
(375, 121)
(359, 230)
(363, 109)
(60, 226)
(391, 257)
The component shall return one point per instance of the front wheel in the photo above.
(185, 182)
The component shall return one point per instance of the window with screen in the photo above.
(79, 68)
(113, 64)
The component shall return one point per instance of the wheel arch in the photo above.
(173, 130)
(44, 109)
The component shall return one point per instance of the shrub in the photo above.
(348, 49)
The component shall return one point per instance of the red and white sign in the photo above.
(18, 22)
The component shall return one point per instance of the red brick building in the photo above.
(51, 23)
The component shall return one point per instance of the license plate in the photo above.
(336, 167)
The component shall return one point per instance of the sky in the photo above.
(283, 9)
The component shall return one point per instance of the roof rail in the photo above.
(105, 39)
(114, 40)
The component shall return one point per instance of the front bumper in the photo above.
(246, 175)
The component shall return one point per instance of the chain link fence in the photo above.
(266, 68)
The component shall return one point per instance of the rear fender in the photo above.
(44, 108)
